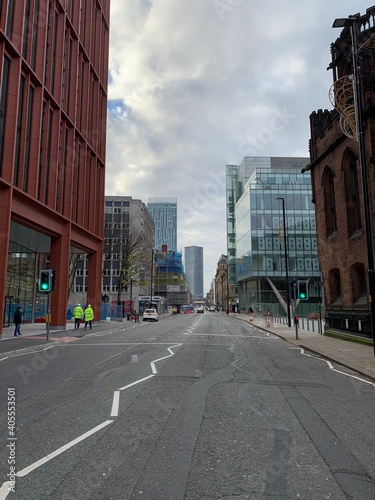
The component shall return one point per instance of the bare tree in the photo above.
(74, 260)
(135, 260)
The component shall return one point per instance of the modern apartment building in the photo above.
(164, 214)
(194, 271)
(262, 192)
(53, 105)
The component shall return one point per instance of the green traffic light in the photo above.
(44, 286)
(302, 295)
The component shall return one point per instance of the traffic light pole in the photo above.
(294, 316)
(48, 314)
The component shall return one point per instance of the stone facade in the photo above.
(336, 177)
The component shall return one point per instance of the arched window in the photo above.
(329, 201)
(358, 281)
(353, 213)
(334, 286)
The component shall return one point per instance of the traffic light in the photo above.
(293, 290)
(303, 289)
(45, 280)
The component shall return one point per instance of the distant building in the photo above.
(169, 279)
(221, 284)
(256, 236)
(194, 271)
(128, 247)
(53, 109)
(164, 214)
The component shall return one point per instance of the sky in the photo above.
(198, 84)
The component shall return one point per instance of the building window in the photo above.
(358, 280)
(9, 24)
(26, 29)
(28, 137)
(35, 33)
(329, 201)
(19, 131)
(3, 103)
(353, 213)
(334, 286)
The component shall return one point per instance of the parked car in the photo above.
(150, 315)
(200, 309)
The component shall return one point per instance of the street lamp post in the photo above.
(152, 274)
(131, 296)
(286, 263)
(351, 22)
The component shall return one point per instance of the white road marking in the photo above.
(226, 335)
(330, 365)
(54, 454)
(4, 490)
(135, 383)
(153, 367)
(115, 404)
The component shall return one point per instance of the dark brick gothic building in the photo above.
(337, 182)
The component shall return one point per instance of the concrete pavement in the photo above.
(357, 357)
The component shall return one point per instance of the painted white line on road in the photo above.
(4, 358)
(135, 383)
(115, 404)
(330, 365)
(226, 335)
(153, 367)
(54, 454)
(5, 489)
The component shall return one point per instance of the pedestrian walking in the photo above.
(17, 320)
(89, 316)
(77, 315)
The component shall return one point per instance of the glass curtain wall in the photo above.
(21, 280)
(260, 238)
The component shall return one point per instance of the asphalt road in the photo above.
(192, 407)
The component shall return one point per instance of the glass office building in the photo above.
(256, 192)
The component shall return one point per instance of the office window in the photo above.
(3, 103)
(28, 137)
(9, 23)
(19, 130)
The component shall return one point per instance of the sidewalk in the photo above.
(358, 357)
(35, 334)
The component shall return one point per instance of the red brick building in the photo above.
(53, 102)
(337, 182)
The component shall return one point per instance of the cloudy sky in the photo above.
(197, 84)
